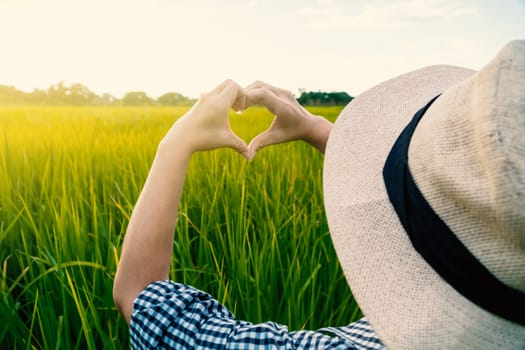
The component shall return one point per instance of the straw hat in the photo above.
(467, 159)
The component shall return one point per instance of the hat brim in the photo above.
(406, 302)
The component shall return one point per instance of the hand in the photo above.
(292, 122)
(206, 127)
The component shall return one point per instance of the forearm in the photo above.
(147, 248)
(146, 252)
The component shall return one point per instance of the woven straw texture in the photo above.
(467, 157)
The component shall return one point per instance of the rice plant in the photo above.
(252, 234)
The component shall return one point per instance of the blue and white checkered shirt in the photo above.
(169, 315)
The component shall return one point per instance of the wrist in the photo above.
(174, 146)
(319, 130)
(180, 137)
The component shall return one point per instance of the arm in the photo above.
(292, 122)
(147, 247)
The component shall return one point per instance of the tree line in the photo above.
(320, 98)
(77, 94)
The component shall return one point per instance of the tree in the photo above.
(137, 98)
(63, 93)
(10, 95)
(78, 94)
(174, 99)
(107, 99)
(320, 98)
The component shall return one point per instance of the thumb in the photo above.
(264, 139)
(238, 144)
(240, 103)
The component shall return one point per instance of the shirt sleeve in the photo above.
(169, 315)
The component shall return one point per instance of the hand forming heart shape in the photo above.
(292, 122)
(206, 126)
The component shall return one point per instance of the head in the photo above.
(466, 157)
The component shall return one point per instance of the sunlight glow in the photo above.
(188, 46)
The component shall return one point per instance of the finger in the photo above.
(215, 90)
(240, 102)
(218, 89)
(266, 138)
(239, 145)
(266, 97)
(276, 90)
(230, 92)
(259, 95)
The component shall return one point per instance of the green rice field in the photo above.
(252, 234)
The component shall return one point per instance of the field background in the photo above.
(252, 234)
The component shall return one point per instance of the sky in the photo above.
(157, 46)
